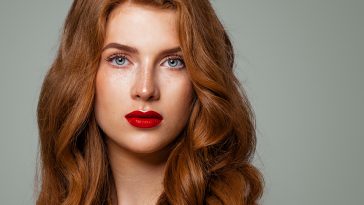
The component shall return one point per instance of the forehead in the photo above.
(131, 7)
(136, 23)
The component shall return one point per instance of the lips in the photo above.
(144, 119)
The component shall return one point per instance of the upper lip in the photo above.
(148, 114)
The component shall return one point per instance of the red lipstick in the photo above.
(144, 119)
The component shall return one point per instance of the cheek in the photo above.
(104, 88)
(111, 85)
(180, 97)
(110, 94)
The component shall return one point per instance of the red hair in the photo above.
(211, 161)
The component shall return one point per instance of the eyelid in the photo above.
(174, 56)
(111, 57)
(114, 55)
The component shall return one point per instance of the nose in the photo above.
(145, 86)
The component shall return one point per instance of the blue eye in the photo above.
(118, 60)
(174, 62)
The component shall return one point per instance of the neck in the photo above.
(138, 177)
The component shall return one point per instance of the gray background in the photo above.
(301, 63)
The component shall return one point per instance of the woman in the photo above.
(141, 106)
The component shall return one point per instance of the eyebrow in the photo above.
(134, 50)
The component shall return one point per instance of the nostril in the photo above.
(147, 96)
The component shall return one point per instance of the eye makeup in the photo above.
(118, 60)
(173, 62)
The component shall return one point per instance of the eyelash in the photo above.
(116, 55)
(176, 57)
(121, 55)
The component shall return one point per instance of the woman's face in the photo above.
(142, 69)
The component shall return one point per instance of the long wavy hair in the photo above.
(211, 163)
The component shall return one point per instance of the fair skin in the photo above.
(148, 74)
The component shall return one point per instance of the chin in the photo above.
(142, 144)
(145, 148)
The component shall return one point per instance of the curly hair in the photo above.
(211, 161)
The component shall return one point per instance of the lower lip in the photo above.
(144, 122)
